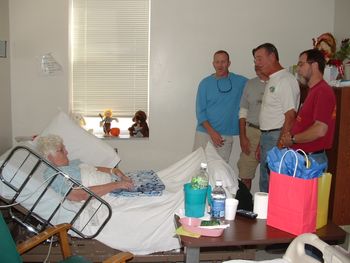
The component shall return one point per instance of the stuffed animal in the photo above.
(106, 121)
(326, 43)
(78, 119)
(115, 131)
(140, 126)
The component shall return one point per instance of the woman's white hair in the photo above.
(49, 144)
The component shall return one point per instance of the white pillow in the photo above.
(80, 144)
(218, 169)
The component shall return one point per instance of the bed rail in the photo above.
(37, 206)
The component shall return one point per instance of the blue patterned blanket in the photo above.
(147, 183)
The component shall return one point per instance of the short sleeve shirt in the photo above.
(319, 105)
(282, 93)
(252, 98)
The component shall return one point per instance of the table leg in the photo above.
(192, 254)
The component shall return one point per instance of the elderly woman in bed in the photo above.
(53, 149)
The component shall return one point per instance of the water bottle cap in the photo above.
(204, 165)
(218, 183)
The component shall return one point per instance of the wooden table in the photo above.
(243, 232)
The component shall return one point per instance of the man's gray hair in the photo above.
(48, 144)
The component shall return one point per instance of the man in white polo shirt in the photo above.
(279, 105)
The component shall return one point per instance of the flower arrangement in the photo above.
(340, 55)
(344, 50)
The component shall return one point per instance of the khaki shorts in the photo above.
(201, 139)
(247, 163)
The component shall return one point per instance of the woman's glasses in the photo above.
(225, 85)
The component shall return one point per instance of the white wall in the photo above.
(184, 35)
(5, 102)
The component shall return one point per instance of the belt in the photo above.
(272, 130)
(253, 125)
(317, 152)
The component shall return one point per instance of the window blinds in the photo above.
(110, 56)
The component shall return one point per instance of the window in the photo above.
(110, 52)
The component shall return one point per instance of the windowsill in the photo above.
(120, 137)
(93, 126)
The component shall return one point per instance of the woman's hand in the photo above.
(126, 179)
(120, 174)
(124, 185)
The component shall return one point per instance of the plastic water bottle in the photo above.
(201, 179)
(218, 197)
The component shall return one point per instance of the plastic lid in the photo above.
(204, 165)
(218, 183)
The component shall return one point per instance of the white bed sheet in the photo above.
(145, 225)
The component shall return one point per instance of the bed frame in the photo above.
(24, 161)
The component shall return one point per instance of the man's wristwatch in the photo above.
(293, 139)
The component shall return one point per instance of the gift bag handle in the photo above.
(305, 155)
(296, 160)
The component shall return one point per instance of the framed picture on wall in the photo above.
(3, 49)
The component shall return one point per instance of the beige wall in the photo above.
(5, 97)
(342, 20)
(184, 35)
(37, 27)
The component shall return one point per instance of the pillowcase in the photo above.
(218, 169)
(81, 144)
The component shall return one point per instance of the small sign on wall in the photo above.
(3, 49)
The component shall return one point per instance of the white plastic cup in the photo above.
(231, 208)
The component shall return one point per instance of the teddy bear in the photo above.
(140, 126)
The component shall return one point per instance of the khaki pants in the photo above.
(247, 163)
(201, 139)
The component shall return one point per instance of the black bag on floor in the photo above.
(244, 197)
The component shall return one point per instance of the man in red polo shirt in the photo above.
(313, 129)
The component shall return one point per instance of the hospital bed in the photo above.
(140, 225)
